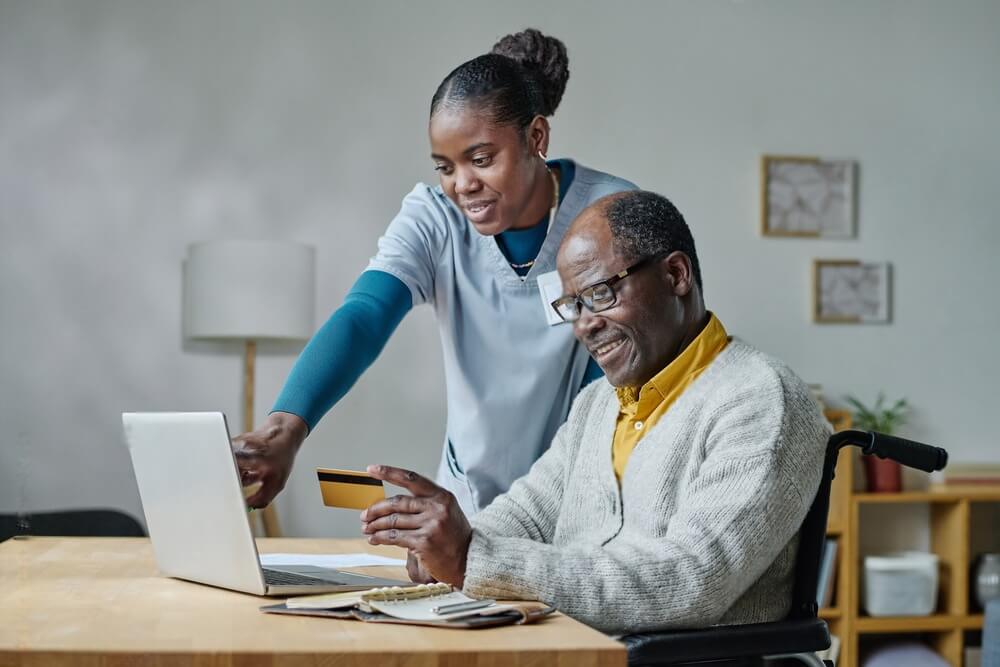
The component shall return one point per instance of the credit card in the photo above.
(349, 489)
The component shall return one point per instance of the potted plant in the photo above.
(884, 476)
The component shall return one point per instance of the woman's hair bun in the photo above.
(544, 60)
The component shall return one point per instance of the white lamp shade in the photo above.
(249, 290)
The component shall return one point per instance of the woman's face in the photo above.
(491, 172)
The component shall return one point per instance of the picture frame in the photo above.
(808, 197)
(851, 292)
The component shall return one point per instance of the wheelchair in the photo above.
(796, 638)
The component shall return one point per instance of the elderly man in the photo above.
(673, 494)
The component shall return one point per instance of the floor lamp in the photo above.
(250, 291)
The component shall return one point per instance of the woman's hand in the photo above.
(265, 456)
(429, 523)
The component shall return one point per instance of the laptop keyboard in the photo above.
(278, 578)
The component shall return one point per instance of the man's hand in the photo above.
(417, 573)
(429, 523)
(265, 456)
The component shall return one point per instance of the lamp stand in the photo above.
(267, 515)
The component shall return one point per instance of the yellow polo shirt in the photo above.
(642, 408)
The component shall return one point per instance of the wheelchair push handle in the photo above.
(908, 452)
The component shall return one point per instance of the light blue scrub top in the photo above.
(510, 376)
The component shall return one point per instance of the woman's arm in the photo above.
(399, 276)
(345, 346)
(328, 367)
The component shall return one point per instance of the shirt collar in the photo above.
(695, 357)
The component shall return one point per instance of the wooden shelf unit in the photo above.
(937, 622)
(952, 511)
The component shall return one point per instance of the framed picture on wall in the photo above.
(808, 197)
(850, 291)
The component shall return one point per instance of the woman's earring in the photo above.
(543, 156)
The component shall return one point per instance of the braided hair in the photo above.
(523, 76)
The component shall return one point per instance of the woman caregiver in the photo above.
(478, 248)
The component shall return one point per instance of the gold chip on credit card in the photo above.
(349, 489)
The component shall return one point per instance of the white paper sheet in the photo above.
(329, 560)
(423, 609)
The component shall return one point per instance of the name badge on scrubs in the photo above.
(550, 289)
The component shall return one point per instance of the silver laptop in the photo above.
(196, 514)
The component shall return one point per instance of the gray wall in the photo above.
(130, 129)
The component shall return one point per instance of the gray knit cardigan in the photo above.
(704, 528)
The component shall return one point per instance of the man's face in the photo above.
(642, 332)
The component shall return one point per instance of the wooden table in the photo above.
(100, 602)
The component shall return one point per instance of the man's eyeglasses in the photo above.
(598, 296)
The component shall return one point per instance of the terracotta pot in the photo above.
(884, 476)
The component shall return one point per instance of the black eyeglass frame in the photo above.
(609, 282)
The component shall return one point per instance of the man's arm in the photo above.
(530, 509)
(432, 527)
(746, 504)
(734, 521)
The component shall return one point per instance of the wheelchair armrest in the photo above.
(727, 641)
